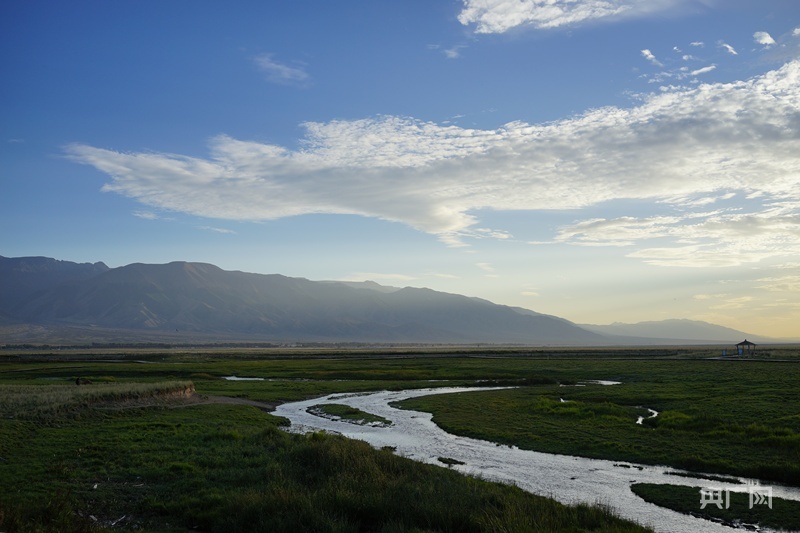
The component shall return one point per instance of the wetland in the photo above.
(137, 456)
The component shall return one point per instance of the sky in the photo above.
(598, 160)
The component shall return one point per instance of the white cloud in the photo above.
(498, 16)
(741, 137)
(703, 70)
(729, 48)
(796, 32)
(280, 73)
(763, 38)
(699, 44)
(648, 55)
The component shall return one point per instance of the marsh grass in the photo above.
(339, 411)
(784, 514)
(37, 401)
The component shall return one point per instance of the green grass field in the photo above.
(131, 451)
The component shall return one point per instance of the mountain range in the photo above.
(183, 300)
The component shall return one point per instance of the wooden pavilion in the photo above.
(746, 347)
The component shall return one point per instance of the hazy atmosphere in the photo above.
(598, 160)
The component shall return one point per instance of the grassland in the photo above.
(135, 452)
(735, 507)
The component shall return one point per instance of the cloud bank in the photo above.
(678, 147)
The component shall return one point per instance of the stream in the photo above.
(564, 478)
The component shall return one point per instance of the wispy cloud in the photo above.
(684, 143)
(703, 239)
(486, 267)
(277, 72)
(783, 284)
(763, 38)
(454, 52)
(673, 71)
(441, 275)
(729, 48)
(147, 215)
(499, 16)
(491, 272)
(384, 276)
(217, 230)
(709, 296)
(733, 303)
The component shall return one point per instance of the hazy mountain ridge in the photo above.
(683, 330)
(200, 299)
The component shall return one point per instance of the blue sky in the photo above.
(599, 160)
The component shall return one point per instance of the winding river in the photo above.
(567, 479)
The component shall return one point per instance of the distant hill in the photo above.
(199, 298)
(682, 330)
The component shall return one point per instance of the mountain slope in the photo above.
(202, 298)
